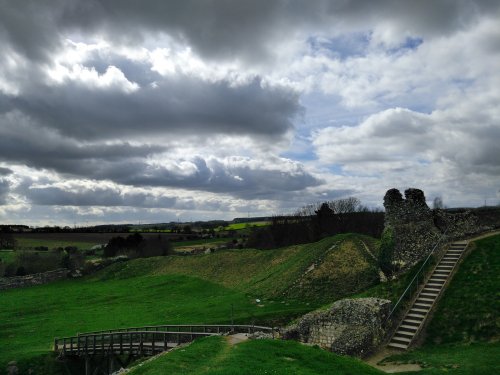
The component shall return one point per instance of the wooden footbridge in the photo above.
(104, 351)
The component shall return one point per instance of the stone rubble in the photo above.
(349, 327)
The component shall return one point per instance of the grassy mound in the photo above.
(215, 356)
(318, 272)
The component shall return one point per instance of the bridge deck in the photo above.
(148, 340)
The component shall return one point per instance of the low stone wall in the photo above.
(34, 279)
(350, 326)
(458, 225)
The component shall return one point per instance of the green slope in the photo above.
(462, 337)
(214, 355)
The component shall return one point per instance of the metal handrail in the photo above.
(416, 276)
(233, 327)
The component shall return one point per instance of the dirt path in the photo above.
(390, 367)
(237, 338)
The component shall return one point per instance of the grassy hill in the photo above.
(215, 355)
(463, 336)
(196, 289)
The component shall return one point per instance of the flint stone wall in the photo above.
(34, 279)
(458, 225)
(349, 327)
(412, 224)
(416, 228)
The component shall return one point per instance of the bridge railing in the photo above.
(203, 328)
(144, 342)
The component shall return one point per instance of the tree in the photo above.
(7, 240)
(438, 203)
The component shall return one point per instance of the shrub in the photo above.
(32, 262)
(387, 251)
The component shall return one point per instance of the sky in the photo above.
(120, 111)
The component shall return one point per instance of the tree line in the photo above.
(316, 221)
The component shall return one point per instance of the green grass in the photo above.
(30, 318)
(7, 256)
(462, 337)
(174, 289)
(393, 289)
(211, 356)
(455, 359)
(470, 306)
(240, 226)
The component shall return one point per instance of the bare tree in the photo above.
(438, 203)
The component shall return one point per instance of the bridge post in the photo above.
(87, 365)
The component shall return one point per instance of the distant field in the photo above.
(214, 355)
(6, 255)
(239, 226)
(80, 240)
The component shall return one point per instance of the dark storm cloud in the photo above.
(56, 196)
(241, 179)
(4, 190)
(5, 171)
(179, 105)
(22, 141)
(220, 28)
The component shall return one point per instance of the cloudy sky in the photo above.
(153, 111)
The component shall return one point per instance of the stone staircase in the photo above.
(414, 319)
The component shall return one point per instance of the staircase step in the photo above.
(430, 287)
(425, 299)
(401, 339)
(421, 306)
(397, 345)
(415, 316)
(438, 276)
(442, 273)
(403, 334)
(405, 327)
(439, 280)
(411, 322)
(425, 304)
(417, 310)
(432, 293)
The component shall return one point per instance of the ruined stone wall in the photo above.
(458, 225)
(416, 228)
(412, 224)
(34, 279)
(349, 327)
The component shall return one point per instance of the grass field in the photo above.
(196, 289)
(240, 226)
(214, 355)
(462, 337)
(7, 256)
